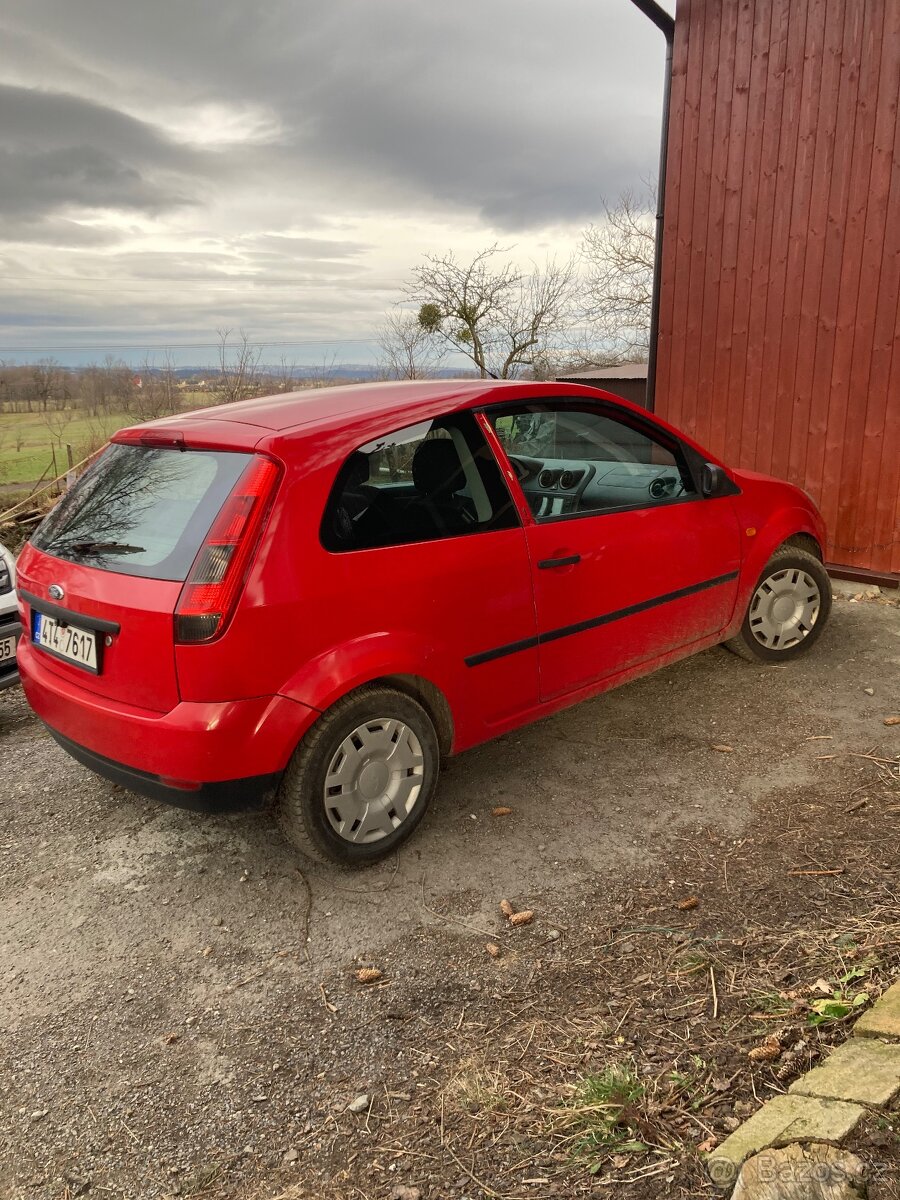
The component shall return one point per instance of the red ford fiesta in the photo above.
(317, 596)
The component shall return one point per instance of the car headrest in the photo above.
(356, 471)
(436, 469)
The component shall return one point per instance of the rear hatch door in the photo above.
(102, 575)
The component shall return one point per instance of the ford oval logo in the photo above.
(56, 590)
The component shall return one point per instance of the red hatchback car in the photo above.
(317, 596)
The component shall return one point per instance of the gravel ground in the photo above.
(180, 1009)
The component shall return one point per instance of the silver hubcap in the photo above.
(373, 780)
(784, 609)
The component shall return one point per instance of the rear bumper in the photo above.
(216, 745)
(232, 795)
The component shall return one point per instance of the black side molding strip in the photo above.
(68, 616)
(553, 635)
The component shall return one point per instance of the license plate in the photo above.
(7, 649)
(68, 642)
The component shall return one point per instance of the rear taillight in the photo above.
(214, 582)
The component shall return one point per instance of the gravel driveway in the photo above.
(180, 1012)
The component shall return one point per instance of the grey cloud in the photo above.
(520, 111)
(58, 232)
(62, 152)
(497, 117)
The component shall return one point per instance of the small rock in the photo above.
(291, 1155)
(402, 1192)
(360, 1104)
(869, 691)
(39, 1113)
(552, 935)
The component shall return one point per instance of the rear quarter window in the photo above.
(140, 510)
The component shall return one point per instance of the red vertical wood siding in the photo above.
(779, 345)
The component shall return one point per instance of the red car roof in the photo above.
(319, 406)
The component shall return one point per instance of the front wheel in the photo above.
(361, 779)
(788, 610)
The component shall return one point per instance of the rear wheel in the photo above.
(788, 610)
(361, 779)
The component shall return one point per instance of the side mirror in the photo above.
(713, 481)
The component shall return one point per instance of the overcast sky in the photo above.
(175, 167)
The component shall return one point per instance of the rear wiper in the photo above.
(86, 548)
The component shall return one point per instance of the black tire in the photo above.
(788, 558)
(300, 806)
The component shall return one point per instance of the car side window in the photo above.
(577, 461)
(436, 479)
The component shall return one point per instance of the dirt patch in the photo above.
(181, 1014)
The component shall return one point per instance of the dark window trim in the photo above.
(693, 461)
(606, 408)
(463, 416)
(587, 514)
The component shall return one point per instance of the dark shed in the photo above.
(628, 380)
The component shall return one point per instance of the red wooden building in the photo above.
(778, 324)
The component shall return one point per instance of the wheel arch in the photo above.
(432, 699)
(804, 541)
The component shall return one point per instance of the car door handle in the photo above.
(547, 564)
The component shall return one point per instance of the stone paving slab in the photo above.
(785, 1119)
(812, 1172)
(862, 1070)
(883, 1018)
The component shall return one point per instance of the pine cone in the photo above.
(368, 974)
(767, 1051)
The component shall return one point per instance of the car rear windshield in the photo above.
(141, 511)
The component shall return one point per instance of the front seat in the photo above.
(437, 477)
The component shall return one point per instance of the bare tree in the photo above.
(324, 375)
(285, 377)
(49, 384)
(238, 367)
(156, 395)
(500, 317)
(408, 349)
(57, 420)
(618, 285)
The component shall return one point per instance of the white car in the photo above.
(10, 628)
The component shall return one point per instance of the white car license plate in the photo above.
(75, 645)
(7, 649)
